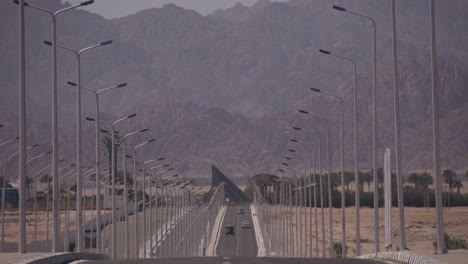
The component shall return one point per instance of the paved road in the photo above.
(236, 260)
(238, 249)
(243, 243)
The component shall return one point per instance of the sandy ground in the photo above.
(420, 230)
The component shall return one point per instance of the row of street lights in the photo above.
(436, 144)
(54, 165)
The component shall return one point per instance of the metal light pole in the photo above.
(330, 211)
(398, 163)
(98, 156)
(22, 132)
(79, 182)
(144, 202)
(441, 247)
(374, 128)
(151, 207)
(319, 156)
(4, 190)
(343, 200)
(127, 227)
(56, 228)
(356, 159)
(136, 209)
(114, 209)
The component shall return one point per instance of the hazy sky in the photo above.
(119, 8)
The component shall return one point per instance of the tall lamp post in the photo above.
(441, 247)
(56, 230)
(356, 158)
(127, 228)
(374, 128)
(79, 181)
(343, 200)
(320, 180)
(398, 163)
(151, 213)
(144, 201)
(4, 189)
(330, 210)
(114, 209)
(314, 190)
(21, 128)
(98, 156)
(136, 209)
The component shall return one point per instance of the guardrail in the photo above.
(402, 257)
(61, 258)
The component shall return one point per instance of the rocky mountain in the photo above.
(221, 88)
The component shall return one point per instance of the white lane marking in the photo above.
(226, 262)
(226, 257)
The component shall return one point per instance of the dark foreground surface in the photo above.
(236, 260)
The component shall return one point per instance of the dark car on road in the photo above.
(230, 230)
(240, 211)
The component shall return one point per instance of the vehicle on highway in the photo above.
(245, 224)
(240, 211)
(230, 230)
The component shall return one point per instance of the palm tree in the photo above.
(380, 177)
(28, 186)
(107, 144)
(449, 176)
(426, 179)
(365, 177)
(415, 179)
(349, 178)
(7, 183)
(458, 184)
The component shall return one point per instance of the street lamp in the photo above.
(136, 245)
(441, 247)
(5, 170)
(114, 209)
(144, 201)
(374, 132)
(151, 206)
(398, 163)
(343, 200)
(319, 149)
(356, 159)
(127, 232)
(98, 157)
(8, 141)
(320, 180)
(22, 220)
(329, 161)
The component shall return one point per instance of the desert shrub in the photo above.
(338, 248)
(453, 243)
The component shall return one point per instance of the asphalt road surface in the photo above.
(236, 260)
(238, 249)
(243, 243)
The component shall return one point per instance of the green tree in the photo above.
(349, 178)
(107, 144)
(380, 177)
(365, 177)
(458, 184)
(7, 183)
(28, 183)
(426, 179)
(449, 176)
(414, 178)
